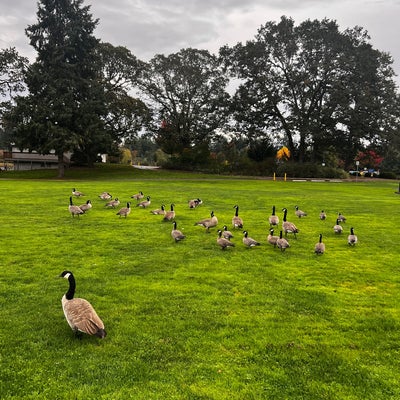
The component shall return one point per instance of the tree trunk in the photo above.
(61, 167)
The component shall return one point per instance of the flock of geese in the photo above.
(80, 314)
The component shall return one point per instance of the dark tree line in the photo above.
(310, 87)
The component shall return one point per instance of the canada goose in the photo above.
(273, 219)
(77, 193)
(282, 243)
(176, 234)
(137, 196)
(352, 238)
(223, 242)
(341, 217)
(248, 241)
(271, 238)
(74, 210)
(299, 213)
(226, 234)
(208, 222)
(113, 203)
(105, 196)
(125, 211)
(86, 207)
(320, 246)
(288, 227)
(338, 228)
(322, 215)
(237, 222)
(195, 203)
(144, 203)
(170, 215)
(79, 313)
(159, 211)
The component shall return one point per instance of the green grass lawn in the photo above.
(187, 320)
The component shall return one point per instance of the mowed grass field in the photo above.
(188, 320)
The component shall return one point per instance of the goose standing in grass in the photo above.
(195, 203)
(223, 242)
(86, 207)
(248, 241)
(208, 222)
(237, 222)
(338, 229)
(113, 203)
(273, 219)
(105, 196)
(341, 217)
(74, 210)
(282, 243)
(288, 227)
(352, 238)
(299, 213)
(176, 234)
(137, 196)
(322, 215)
(79, 313)
(170, 215)
(145, 203)
(226, 234)
(125, 211)
(77, 193)
(319, 248)
(271, 238)
(159, 211)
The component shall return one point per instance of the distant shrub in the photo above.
(310, 170)
(387, 175)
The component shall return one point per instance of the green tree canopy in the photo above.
(187, 92)
(310, 86)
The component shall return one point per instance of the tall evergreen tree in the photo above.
(65, 103)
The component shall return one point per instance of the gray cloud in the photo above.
(149, 27)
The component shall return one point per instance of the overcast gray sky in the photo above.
(149, 27)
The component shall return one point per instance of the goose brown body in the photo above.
(273, 219)
(125, 211)
(282, 243)
(352, 239)
(338, 229)
(341, 217)
(77, 193)
(299, 213)
(237, 222)
(195, 203)
(176, 234)
(105, 196)
(74, 210)
(159, 211)
(145, 203)
(322, 215)
(113, 203)
(170, 215)
(137, 196)
(86, 207)
(79, 313)
(271, 238)
(208, 222)
(248, 241)
(223, 242)
(319, 247)
(226, 234)
(287, 226)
